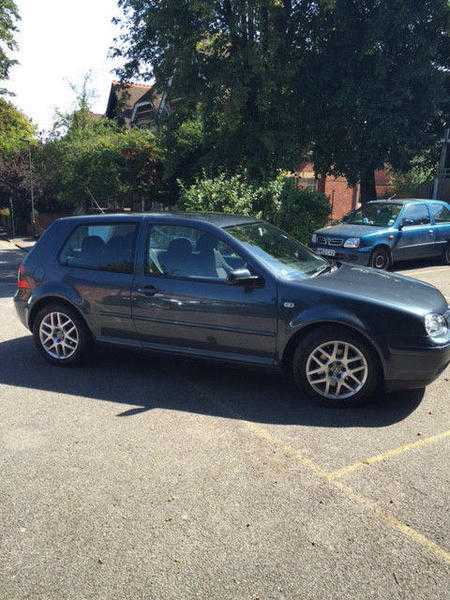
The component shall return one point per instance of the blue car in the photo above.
(384, 232)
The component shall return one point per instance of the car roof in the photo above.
(404, 201)
(217, 219)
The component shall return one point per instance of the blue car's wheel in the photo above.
(380, 259)
(447, 255)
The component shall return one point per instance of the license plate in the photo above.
(326, 251)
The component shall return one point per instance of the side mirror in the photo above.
(405, 223)
(245, 278)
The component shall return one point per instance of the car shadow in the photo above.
(418, 264)
(140, 383)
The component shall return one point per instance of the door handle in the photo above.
(147, 290)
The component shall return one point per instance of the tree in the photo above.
(359, 82)
(16, 130)
(17, 133)
(97, 164)
(9, 16)
(378, 91)
(231, 64)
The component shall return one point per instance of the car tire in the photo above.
(446, 255)
(324, 350)
(61, 335)
(380, 259)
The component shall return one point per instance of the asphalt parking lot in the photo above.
(159, 479)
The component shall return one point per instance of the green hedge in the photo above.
(279, 201)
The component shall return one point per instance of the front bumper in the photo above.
(360, 256)
(413, 368)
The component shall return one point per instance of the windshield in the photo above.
(281, 254)
(378, 215)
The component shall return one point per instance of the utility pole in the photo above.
(33, 214)
(11, 214)
(442, 163)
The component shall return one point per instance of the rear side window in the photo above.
(441, 213)
(102, 247)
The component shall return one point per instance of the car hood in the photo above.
(381, 287)
(344, 230)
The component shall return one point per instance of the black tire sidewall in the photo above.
(329, 333)
(83, 335)
(447, 255)
(376, 253)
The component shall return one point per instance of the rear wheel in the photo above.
(61, 335)
(335, 367)
(446, 255)
(380, 259)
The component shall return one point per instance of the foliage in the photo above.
(301, 211)
(279, 201)
(16, 130)
(422, 172)
(87, 164)
(9, 16)
(237, 61)
(361, 83)
(388, 101)
(98, 165)
(222, 194)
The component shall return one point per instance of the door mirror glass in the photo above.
(244, 277)
(406, 223)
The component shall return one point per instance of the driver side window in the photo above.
(175, 251)
(417, 215)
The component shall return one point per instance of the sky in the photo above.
(59, 42)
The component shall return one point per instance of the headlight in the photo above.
(436, 326)
(314, 238)
(352, 243)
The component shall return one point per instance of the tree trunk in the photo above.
(368, 188)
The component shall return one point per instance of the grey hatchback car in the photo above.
(231, 289)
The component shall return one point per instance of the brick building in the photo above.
(342, 196)
(134, 104)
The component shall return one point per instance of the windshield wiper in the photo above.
(325, 269)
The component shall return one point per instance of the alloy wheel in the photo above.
(380, 260)
(337, 370)
(58, 335)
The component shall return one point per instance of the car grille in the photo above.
(324, 241)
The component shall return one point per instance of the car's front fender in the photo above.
(296, 324)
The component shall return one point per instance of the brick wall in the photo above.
(342, 196)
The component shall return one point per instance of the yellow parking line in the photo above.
(386, 455)
(389, 519)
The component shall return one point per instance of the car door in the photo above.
(440, 213)
(416, 239)
(99, 262)
(182, 299)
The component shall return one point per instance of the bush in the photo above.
(279, 201)
(232, 195)
(300, 211)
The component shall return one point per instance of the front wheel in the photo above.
(336, 368)
(446, 255)
(380, 259)
(61, 335)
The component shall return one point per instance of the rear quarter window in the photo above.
(101, 247)
(441, 213)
